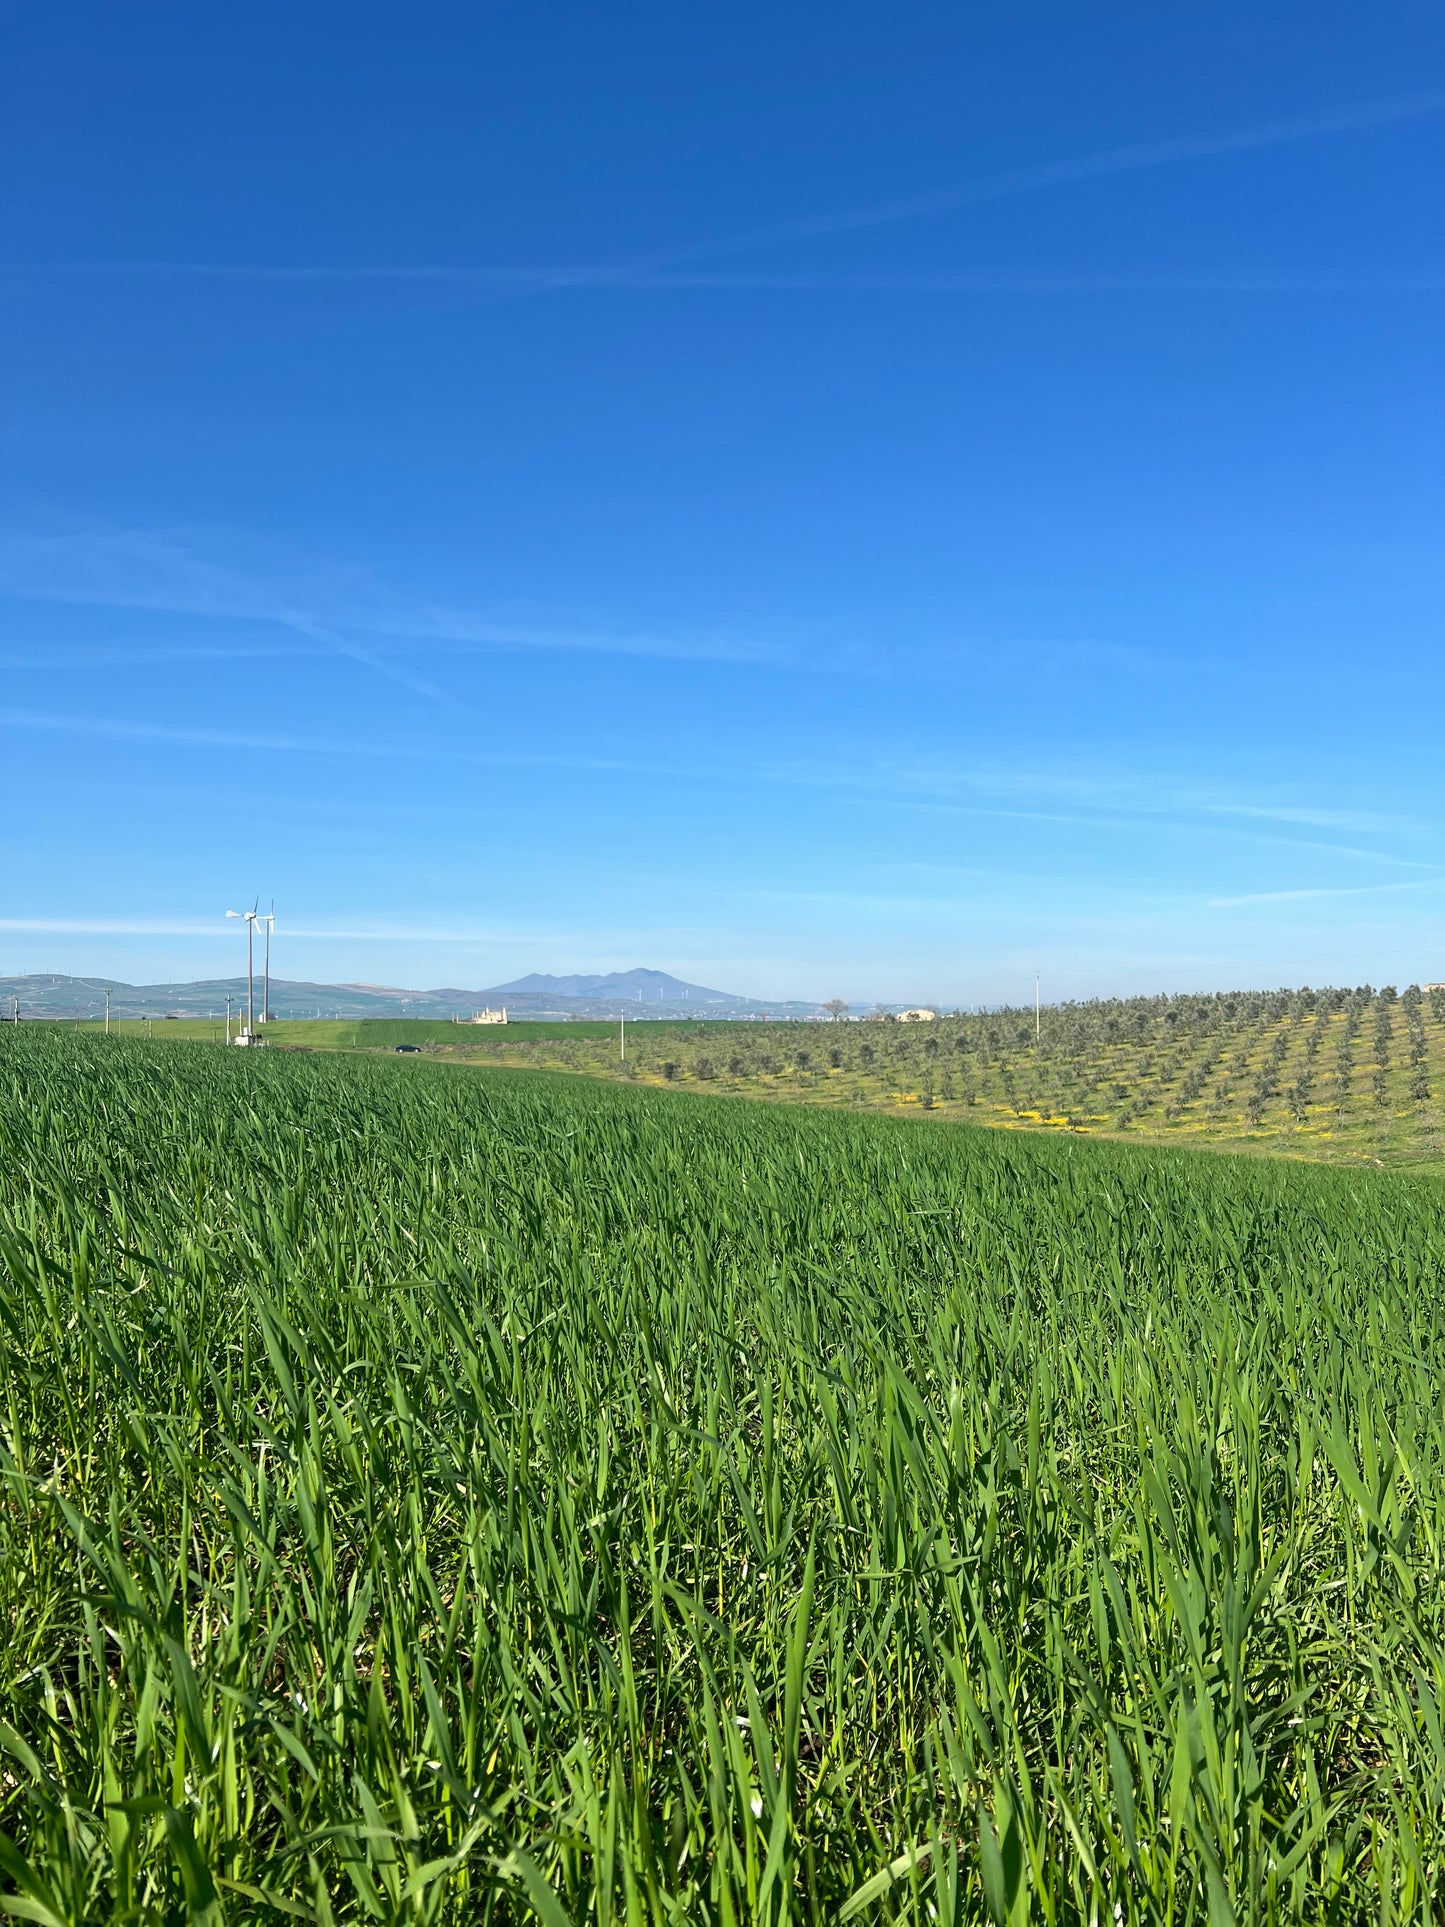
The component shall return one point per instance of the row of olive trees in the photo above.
(1163, 1056)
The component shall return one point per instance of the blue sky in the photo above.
(857, 500)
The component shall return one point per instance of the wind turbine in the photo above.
(250, 920)
(270, 922)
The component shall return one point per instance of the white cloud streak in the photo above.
(1301, 896)
(108, 927)
(141, 927)
(945, 283)
(519, 281)
(499, 937)
(141, 569)
(1134, 158)
(1109, 809)
(121, 730)
(118, 729)
(652, 269)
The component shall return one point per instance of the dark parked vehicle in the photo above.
(409, 1047)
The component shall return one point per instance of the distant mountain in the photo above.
(624, 986)
(59, 996)
(630, 993)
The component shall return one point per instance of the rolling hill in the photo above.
(537, 996)
(629, 986)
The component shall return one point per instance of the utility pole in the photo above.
(228, 1020)
(1037, 1010)
(107, 1013)
(622, 1035)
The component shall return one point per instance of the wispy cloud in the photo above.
(187, 736)
(1133, 158)
(1096, 806)
(498, 936)
(218, 927)
(122, 730)
(1300, 896)
(108, 927)
(1108, 789)
(140, 569)
(146, 569)
(945, 283)
(520, 281)
(1096, 794)
(134, 655)
(656, 268)
(1316, 818)
(426, 624)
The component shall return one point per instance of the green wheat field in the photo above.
(445, 1494)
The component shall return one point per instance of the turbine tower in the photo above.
(250, 919)
(270, 922)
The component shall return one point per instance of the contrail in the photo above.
(1132, 159)
(946, 283)
(1136, 157)
(1298, 896)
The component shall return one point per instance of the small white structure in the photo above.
(917, 1016)
(484, 1017)
(248, 1040)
